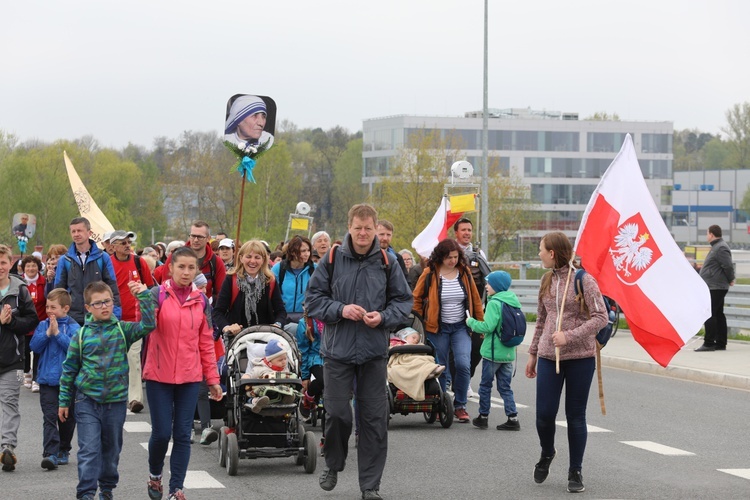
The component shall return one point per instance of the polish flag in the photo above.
(624, 243)
(436, 230)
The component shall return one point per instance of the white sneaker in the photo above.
(34, 387)
(470, 393)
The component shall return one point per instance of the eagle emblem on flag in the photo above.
(634, 250)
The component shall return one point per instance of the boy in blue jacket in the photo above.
(50, 342)
(497, 359)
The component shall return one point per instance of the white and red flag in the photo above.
(436, 230)
(624, 243)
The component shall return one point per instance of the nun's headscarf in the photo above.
(242, 107)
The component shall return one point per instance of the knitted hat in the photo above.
(405, 332)
(276, 348)
(242, 107)
(499, 280)
(200, 280)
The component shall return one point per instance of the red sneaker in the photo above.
(461, 415)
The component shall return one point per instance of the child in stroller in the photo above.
(408, 371)
(273, 365)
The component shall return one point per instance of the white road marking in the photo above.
(169, 447)
(197, 479)
(591, 428)
(658, 448)
(495, 402)
(743, 473)
(137, 427)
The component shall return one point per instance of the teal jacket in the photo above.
(492, 349)
(97, 360)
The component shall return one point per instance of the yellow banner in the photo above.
(300, 224)
(462, 203)
(87, 207)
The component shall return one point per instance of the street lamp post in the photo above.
(485, 243)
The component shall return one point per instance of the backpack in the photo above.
(513, 326)
(603, 336)
(236, 290)
(331, 261)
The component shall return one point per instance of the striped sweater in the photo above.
(97, 360)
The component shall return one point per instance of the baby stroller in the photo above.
(276, 431)
(437, 404)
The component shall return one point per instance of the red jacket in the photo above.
(36, 290)
(181, 348)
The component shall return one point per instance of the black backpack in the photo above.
(603, 336)
(513, 326)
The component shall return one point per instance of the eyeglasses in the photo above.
(123, 243)
(101, 304)
(198, 237)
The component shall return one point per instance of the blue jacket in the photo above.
(74, 278)
(52, 350)
(293, 288)
(309, 351)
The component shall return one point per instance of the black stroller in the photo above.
(276, 431)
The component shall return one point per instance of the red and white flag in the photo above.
(624, 243)
(436, 230)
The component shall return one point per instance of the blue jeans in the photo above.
(56, 435)
(504, 373)
(172, 408)
(576, 376)
(454, 337)
(99, 443)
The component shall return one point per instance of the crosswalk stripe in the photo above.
(591, 428)
(658, 448)
(495, 402)
(743, 473)
(200, 479)
(137, 427)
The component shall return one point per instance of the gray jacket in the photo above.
(362, 282)
(717, 270)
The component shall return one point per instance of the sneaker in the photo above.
(575, 482)
(209, 435)
(177, 495)
(193, 436)
(8, 459)
(63, 458)
(155, 491)
(49, 462)
(135, 406)
(106, 495)
(480, 422)
(370, 495)
(27, 380)
(511, 425)
(308, 403)
(34, 387)
(259, 403)
(461, 415)
(541, 469)
(328, 479)
(470, 393)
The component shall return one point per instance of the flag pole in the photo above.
(239, 217)
(559, 319)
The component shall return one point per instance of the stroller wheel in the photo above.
(446, 412)
(223, 447)
(233, 454)
(430, 416)
(311, 453)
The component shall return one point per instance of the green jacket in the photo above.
(492, 349)
(97, 360)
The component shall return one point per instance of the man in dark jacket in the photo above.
(83, 264)
(718, 273)
(360, 298)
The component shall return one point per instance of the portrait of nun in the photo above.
(250, 122)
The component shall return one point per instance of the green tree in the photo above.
(738, 132)
(511, 211)
(347, 187)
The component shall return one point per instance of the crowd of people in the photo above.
(101, 322)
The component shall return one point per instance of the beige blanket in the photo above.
(408, 372)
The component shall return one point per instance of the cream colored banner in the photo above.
(86, 204)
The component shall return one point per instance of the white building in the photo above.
(560, 157)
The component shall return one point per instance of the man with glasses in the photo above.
(83, 264)
(130, 267)
(208, 263)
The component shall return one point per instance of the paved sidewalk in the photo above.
(730, 368)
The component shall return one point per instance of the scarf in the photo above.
(274, 368)
(252, 289)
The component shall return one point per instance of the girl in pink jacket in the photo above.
(180, 354)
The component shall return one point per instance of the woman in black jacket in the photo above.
(250, 295)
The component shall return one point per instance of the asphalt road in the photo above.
(702, 429)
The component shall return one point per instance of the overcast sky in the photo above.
(131, 71)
